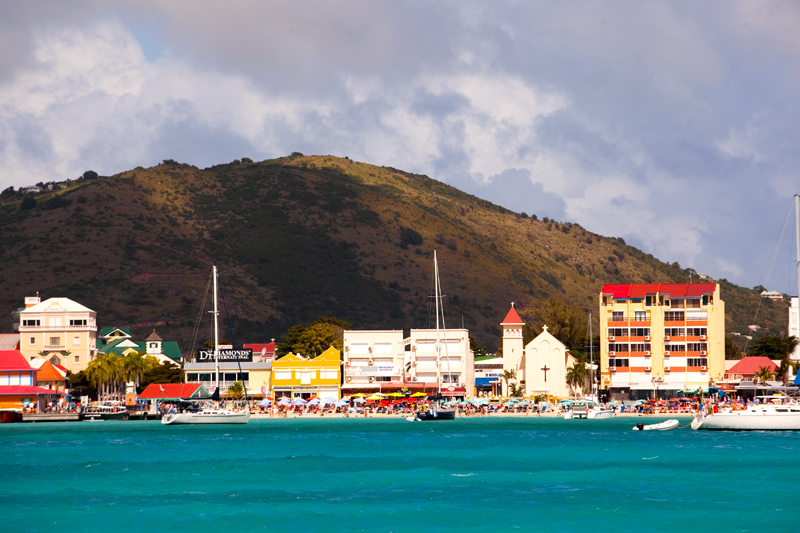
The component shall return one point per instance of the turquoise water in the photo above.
(329, 475)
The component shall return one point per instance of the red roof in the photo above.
(257, 348)
(171, 391)
(512, 317)
(13, 360)
(15, 390)
(675, 290)
(750, 365)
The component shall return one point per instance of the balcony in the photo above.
(56, 328)
(55, 347)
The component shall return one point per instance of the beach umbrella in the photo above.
(285, 401)
(395, 394)
(374, 398)
(418, 394)
(346, 398)
(328, 400)
(265, 402)
(299, 401)
(359, 400)
(360, 394)
(314, 401)
(342, 403)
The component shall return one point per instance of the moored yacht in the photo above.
(767, 417)
(206, 416)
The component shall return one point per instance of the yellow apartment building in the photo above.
(659, 338)
(59, 330)
(296, 376)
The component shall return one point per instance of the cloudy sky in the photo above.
(675, 125)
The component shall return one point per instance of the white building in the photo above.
(374, 361)
(384, 361)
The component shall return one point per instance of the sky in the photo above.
(674, 125)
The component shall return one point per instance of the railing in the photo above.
(54, 328)
(55, 347)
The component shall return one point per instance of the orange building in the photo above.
(18, 384)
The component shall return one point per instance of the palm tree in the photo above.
(576, 376)
(508, 375)
(97, 373)
(134, 366)
(764, 374)
(236, 390)
(516, 391)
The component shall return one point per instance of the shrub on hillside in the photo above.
(27, 203)
(409, 236)
(90, 175)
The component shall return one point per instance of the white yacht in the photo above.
(206, 416)
(597, 412)
(766, 417)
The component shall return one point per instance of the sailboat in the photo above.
(209, 415)
(436, 410)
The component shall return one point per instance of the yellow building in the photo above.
(59, 330)
(295, 376)
(659, 338)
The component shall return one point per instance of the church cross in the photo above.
(545, 372)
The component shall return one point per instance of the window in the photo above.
(55, 341)
(283, 374)
(697, 347)
(640, 332)
(640, 316)
(676, 303)
(206, 377)
(305, 378)
(693, 303)
(329, 374)
(674, 347)
(618, 347)
(31, 322)
(33, 340)
(641, 347)
(76, 340)
(77, 359)
(359, 348)
(384, 347)
(617, 316)
(696, 332)
(673, 332)
(708, 299)
(648, 301)
(697, 361)
(673, 316)
(229, 377)
(617, 332)
(191, 377)
(383, 378)
(618, 363)
(80, 322)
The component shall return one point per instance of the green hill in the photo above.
(300, 237)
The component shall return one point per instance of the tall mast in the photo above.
(797, 240)
(436, 298)
(216, 332)
(591, 359)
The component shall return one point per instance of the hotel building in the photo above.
(659, 338)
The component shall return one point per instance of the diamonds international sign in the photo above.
(227, 355)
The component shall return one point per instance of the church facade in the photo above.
(541, 366)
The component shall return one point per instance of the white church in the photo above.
(541, 366)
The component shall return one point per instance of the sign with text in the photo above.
(227, 355)
(372, 370)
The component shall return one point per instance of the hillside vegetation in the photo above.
(301, 237)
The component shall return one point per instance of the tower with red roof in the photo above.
(513, 350)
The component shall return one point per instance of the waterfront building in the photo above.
(256, 376)
(294, 375)
(748, 368)
(262, 351)
(659, 338)
(541, 365)
(9, 341)
(119, 341)
(170, 392)
(488, 375)
(18, 384)
(439, 361)
(59, 330)
(374, 361)
(50, 376)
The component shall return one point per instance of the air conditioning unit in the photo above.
(703, 353)
(666, 369)
(703, 369)
(371, 379)
(702, 337)
(666, 353)
(666, 337)
(660, 380)
(611, 337)
(612, 369)
(647, 369)
(612, 354)
(647, 337)
(348, 379)
(371, 361)
(647, 354)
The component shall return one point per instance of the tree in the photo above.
(236, 390)
(27, 203)
(576, 376)
(165, 372)
(509, 375)
(764, 374)
(477, 349)
(732, 350)
(311, 341)
(90, 175)
(409, 236)
(79, 385)
(773, 347)
(516, 391)
(565, 322)
(135, 365)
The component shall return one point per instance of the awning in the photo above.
(454, 392)
(18, 390)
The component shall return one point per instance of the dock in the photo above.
(51, 417)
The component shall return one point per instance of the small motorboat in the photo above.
(666, 425)
(600, 413)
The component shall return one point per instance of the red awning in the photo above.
(16, 390)
(454, 392)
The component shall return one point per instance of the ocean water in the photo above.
(379, 475)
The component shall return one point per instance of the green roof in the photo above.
(106, 331)
(171, 350)
(486, 357)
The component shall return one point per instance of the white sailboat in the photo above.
(209, 415)
(777, 416)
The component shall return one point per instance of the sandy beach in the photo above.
(493, 415)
